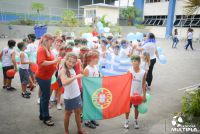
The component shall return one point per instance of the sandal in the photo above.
(4, 87)
(90, 125)
(28, 93)
(49, 122)
(25, 95)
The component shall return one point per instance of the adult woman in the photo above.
(175, 38)
(46, 68)
(189, 39)
(151, 48)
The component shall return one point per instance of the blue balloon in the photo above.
(131, 37)
(160, 50)
(99, 24)
(101, 30)
(85, 35)
(162, 59)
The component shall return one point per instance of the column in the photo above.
(170, 18)
(139, 5)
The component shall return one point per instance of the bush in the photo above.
(23, 22)
(140, 26)
(191, 106)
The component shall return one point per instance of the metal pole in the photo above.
(119, 10)
(78, 8)
(92, 2)
(104, 1)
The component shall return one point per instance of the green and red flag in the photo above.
(106, 97)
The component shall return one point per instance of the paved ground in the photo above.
(20, 116)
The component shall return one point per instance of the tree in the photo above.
(131, 14)
(38, 7)
(192, 6)
(69, 18)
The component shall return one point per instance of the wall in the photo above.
(112, 13)
(160, 32)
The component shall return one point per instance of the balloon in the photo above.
(139, 36)
(17, 58)
(55, 86)
(148, 97)
(53, 79)
(11, 73)
(99, 24)
(162, 59)
(160, 50)
(136, 99)
(107, 29)
(131, 37)
(101, 30)
(142, 108)
(34, 67)
(1, 66)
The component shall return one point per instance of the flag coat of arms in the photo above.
(106, 97)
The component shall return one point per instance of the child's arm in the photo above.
(22, 59)
(66, 80)
(14, 61)
(1, 54)
(144, 87)
(86, 72)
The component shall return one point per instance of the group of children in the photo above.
(77, 60)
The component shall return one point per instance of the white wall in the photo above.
(160, 32)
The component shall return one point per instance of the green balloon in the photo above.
(53, 79)
(148, 97)
(1, 66)
(142, 108)
(17, 58)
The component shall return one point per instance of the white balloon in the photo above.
(107, 29)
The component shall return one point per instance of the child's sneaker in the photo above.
(136, 126)
(59, 107)
(126, 124)
(25, 95)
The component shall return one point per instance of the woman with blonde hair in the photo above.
(46, 68)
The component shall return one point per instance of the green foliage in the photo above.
(69, 18)
(103, 21)
(140, 26)
(23, 22)
(191, 6)
(191, 106)
(116, 29)
(37, 6)
(131, 14)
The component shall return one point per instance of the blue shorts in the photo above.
(24, 76)
(72, 104)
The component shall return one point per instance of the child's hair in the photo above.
(32, 37)
(123, 42)
(83, 41)
(45, 38)
(135, 58)
(89, 56)
(25, 40)
(77, 41)
(70, 43)
(62, 47)
(69, 55)
(21, 45)
(68, 47)
(11, 43)
(146, 56)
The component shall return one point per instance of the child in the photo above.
(145, 61)
(72, 97)
(77, 46)
(91, 70)
(189, 39)
(23, 70)
(125, 49)
(175, 38)
(138, 86)
(8, 62)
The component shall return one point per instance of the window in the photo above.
(152, 1)
(187, 21)
(90, 13)
(155, 20)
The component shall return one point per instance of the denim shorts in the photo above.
(24, 76)
(72, 104)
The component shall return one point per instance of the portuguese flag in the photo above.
(106, 97)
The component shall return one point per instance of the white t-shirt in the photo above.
(7, 57)
(190, 35)
(55, 53)
(125, 52)
(26, 59)
(76, 50)
(150, 48)
(72, 90)
(137, 81)
(144, 65)
(93, 71)
(32, 50)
